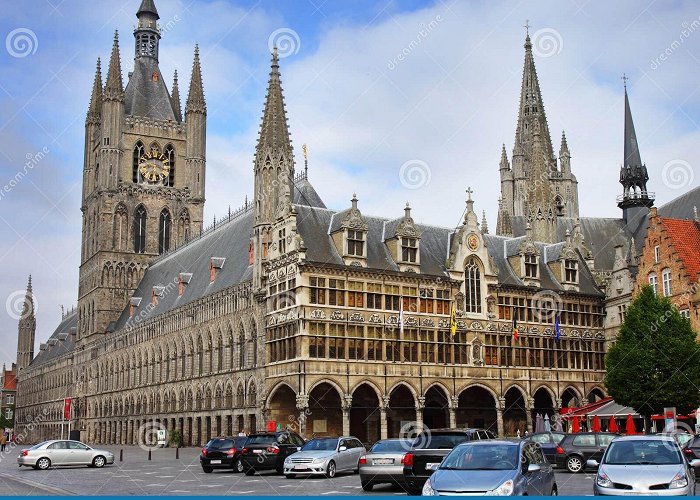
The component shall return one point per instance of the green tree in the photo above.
(5, 424)
(655, 362)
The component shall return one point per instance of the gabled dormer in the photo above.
(350, 238)
(526, 263)
(566, 267)
(404, 244)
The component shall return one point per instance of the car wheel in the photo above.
(238, 466)
(207, 470)
(330, 469)
(574, 464)
(43, 463)
(290, 476)
(367, 485)
(555, 491)
(99, 461)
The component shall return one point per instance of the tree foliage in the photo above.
(5, 423)
(655, 362)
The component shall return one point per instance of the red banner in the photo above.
(66, 408)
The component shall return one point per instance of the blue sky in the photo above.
(446, 106)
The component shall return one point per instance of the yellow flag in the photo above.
(453, 320)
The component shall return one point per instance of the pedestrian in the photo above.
(3, 443)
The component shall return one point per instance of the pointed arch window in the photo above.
(139, 151)
(164, 229)
(140, 230)
(170, 155)
(472, 280)
(241, 350)
(183, 227)
(120, 231)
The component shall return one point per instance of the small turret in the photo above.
(196, 120)
(175, 98)
(114, 88)
(564, 156)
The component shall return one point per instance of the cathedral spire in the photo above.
(531, 108)
(631, 151)
(195, 97)
(114, 88)
(504, 165)
(273, 130)
(95, 107)
(175, 98)
(27, 329)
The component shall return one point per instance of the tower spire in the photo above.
(195, 97)
(114, 89)
(26, 330)
(175, 98)
(273, 130)
(95, 107)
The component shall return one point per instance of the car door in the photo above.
(534, 478)
(342, 453)
(58, 452)
(602, 440)
(546, 472)
(358, 450)
(79, 454)
(585, 445)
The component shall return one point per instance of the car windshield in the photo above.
(643, 452)
(327, 444)
(439, 441)
(220, 444)
(394, 445)
(261, 439)
(482, 457)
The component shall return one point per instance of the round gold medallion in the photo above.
(473, 242)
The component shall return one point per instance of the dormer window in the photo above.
(472, 282)
(282, 241)
(356, 243)
(215, 265)
(530, 265)
(251, 258)
(570, 271)
(409, 250)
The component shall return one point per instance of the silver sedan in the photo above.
(325, 456)
(63, 453)
(383, 463)
(644, 465)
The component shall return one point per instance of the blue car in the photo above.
(499, 468)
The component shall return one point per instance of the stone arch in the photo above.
(570, 397)
(595, 394)
(325, 407)
(281, 404)
(402, 408)
(544, 403)
(252, 393)
(436, 407)
(514, 413)
(365, 422)
(476, 407)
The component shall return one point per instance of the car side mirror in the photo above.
(695, 463)
(593, 464)
(533, 468)
(342, 448)
(298, 448)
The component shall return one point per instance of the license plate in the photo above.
(257, 451)
(214, 462)
(383, 461)
(300, 467)
(432, 466)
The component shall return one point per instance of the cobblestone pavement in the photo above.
(165, 475)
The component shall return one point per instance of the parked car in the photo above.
(326, 456)
(549, 442)
(428, 450)
(268, 450)
(383, 463)
(223, 453)
(499, 468)
(63, 452)
(691, 450)
(644, 465)
(682, 437)
(577, 448)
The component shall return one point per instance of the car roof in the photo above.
(454, 431)
(490, 442)
(645, 437)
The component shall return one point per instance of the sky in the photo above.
(398, 100)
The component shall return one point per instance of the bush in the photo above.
(176, 438)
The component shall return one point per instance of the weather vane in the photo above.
(306, 152)
(624, 80)
(527, 27)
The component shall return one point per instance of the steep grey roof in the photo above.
(305, 194)
(148, 6)
(67, 325)
(146, 97)
(681, 207)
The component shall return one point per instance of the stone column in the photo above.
(420, 405)
(346, 405)
(454, 403)
(303, 407)
(500, 406)
(529, 406)
(383, 427)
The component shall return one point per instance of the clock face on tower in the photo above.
(154, 167)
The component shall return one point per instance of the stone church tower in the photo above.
(274, 171)
(143, 177)
(26, 331)
(539, 186)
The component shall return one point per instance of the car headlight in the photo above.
(288, 460)
(504, 489)
(428, 490)
(603, 480)
(679, 481)
(318, 460)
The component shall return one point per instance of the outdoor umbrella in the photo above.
(547, 424)
(558, 424)
(596, 423)
(630, 428)
(539, 423)
(612, 426)
(575, 425)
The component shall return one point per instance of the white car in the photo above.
(63, 453)
(326, 456)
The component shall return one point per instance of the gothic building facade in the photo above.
(329, 321)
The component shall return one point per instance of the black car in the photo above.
(428, 450)
(549, 442)
(577, 448)
(267, 451)
(222, 453)
(691, 451)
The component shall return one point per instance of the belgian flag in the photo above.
(515, 324)
(453, 320)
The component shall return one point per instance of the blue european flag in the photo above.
(557, 330)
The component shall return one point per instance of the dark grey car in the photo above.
(501, 468)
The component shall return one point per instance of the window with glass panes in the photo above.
(654, 282)
(442, 302)
(530, 265)
(427, 304)
(317, 290)
(570, 270)
(409, 250)
(374, 296)
(472, 283)
(317, 340)
(356, 294)
(410, 298)
(356, 242)
(392, 297)
(666, 280)
(282, 240)
(336, 292)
